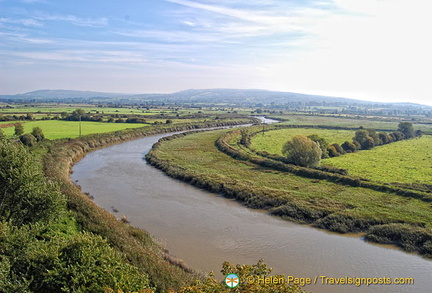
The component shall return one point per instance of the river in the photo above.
(205, 229)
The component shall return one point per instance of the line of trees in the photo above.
(308, 151)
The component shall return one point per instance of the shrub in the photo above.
(384, 138)
(38, 134)
(28, 139)
(25, 195)
(303, 151)
(349, 147)
(322, 143)
(407, 129)
(36, 261)
(338, 148)
(19, 129)
(332, 152)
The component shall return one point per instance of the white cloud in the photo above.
(75, 20)
(28, 22)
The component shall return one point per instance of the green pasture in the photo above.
(198, 154)
(407, 161)
(272, 141)
(56, 129)
(55, 109)
(349, 122)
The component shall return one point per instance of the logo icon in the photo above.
(232, 280)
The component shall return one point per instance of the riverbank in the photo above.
(138, 246)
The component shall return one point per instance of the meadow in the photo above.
(272, 141)
(348, 121)
(407, 161)
(56, 129)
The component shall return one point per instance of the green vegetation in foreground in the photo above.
(340, 208)
(56, 129)
(41, 247)
(272, 141)
(407, 161)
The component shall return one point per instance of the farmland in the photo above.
(273, 140)
(408, 161)
(348, 121)
(56, 129)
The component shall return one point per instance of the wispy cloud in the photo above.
(73, 19)
(27, 22)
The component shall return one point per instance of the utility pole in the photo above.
(80, 132)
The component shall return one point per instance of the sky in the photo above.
(377, 50)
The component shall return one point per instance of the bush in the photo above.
(338, 148)
(332, 152)
(19, 129)
(302, 151)
(211, 285)
(322, 143)
(35, 261)
(28, 139)
(25, 194)
(349, 147)
(38, 134)
(407, 129)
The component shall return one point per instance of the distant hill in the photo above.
(238, 97)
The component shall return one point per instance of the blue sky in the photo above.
(368, 49)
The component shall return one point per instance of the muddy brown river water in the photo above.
(205, 229)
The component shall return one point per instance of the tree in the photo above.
(19, 129)
(368, 144)
(349, 147)
(407, 129)
(38, 134)
(375, 136)
(332, 151)
(338, 148)
(322, 143)
(302, 151)
(362, 137)
(398, 135)
(384, 137)
(28, 139)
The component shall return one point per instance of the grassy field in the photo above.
(273, 140)
(56, 129)
(53, 109)
(377, 123)
(58, 108)
(198, 154)
(408, 161)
